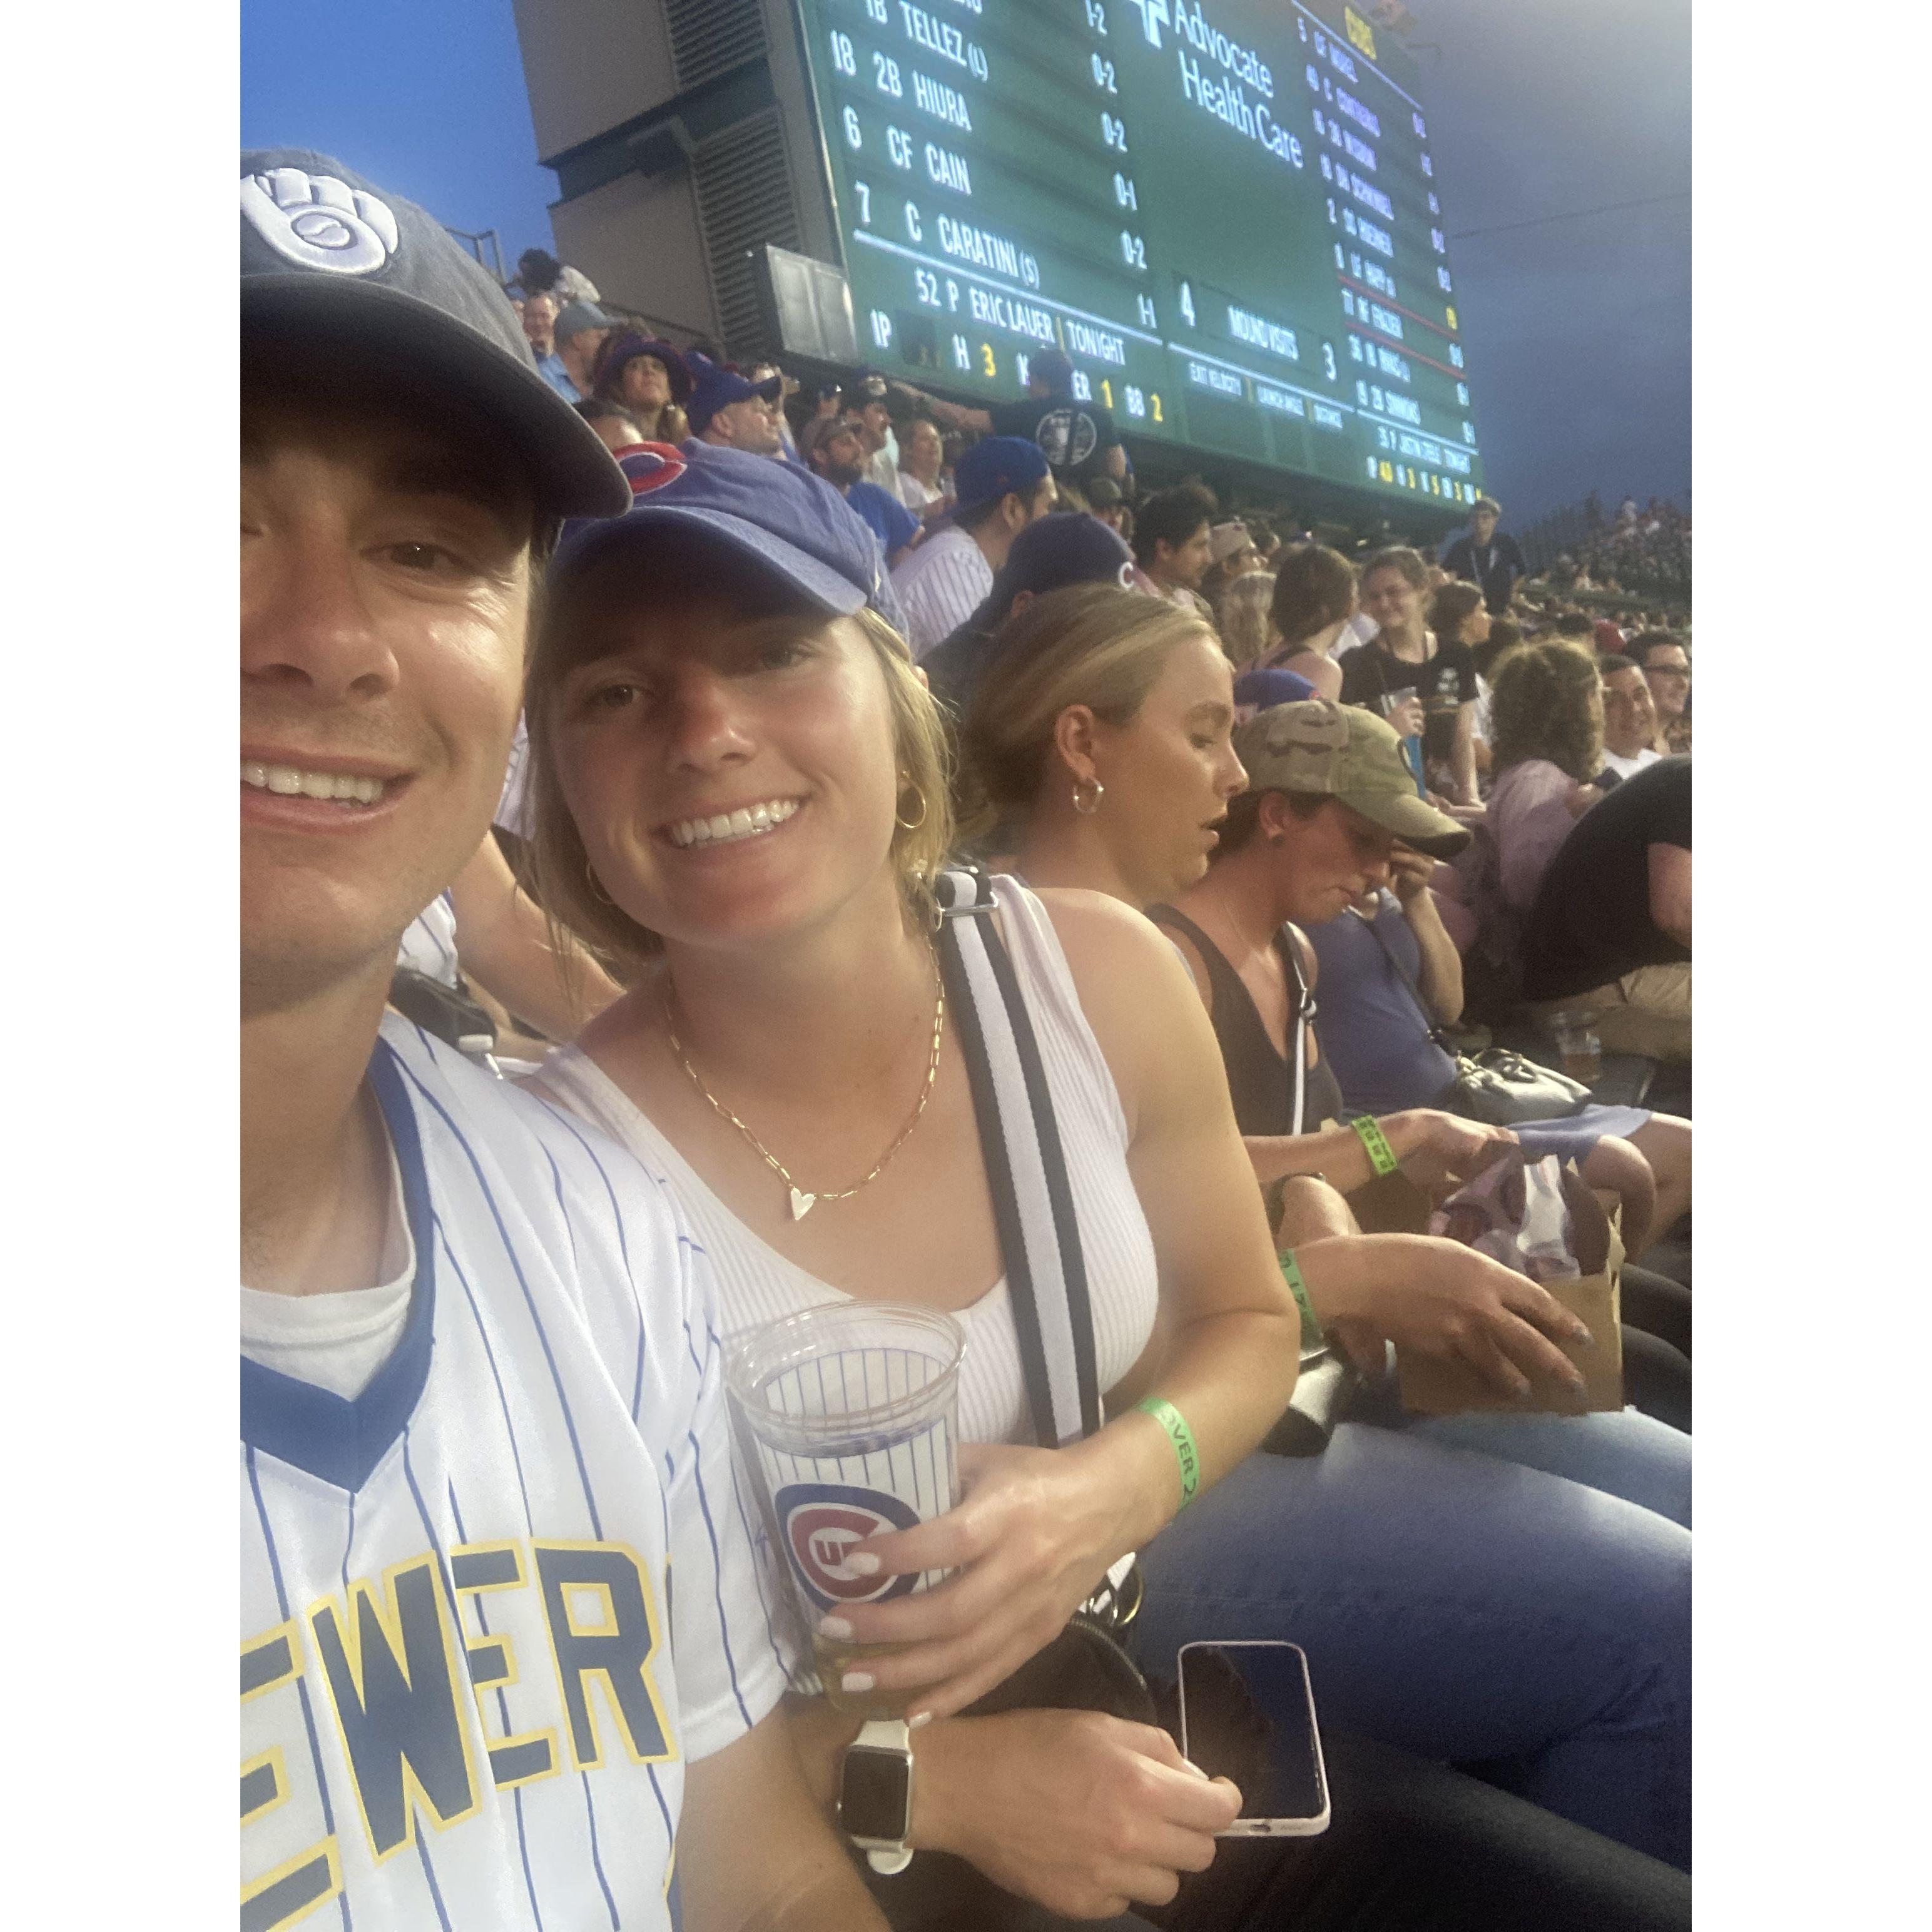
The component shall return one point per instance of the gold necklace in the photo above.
(802, 1203)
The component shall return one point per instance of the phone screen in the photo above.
(1266, 1740)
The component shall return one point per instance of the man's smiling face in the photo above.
(385, 585)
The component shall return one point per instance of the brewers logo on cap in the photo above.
(316, 221)
(820, 1524)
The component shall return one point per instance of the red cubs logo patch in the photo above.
(650, 466)
(821, 1523)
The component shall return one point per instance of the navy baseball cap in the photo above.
(326, 255)
(1068, 547)
(713, 389)
(995, 466)
(1050, 367)
(794, 525)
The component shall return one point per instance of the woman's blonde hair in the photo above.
(1242, 613)
(559, 868)
(1545, 702)
(1090, 644)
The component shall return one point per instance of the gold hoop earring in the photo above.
(912, 824)
(597, 892)
(1086, 801)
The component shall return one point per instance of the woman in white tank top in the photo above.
(740, 789)
(741, 796)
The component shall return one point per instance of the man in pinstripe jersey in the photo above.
(504, 1660)
(1003, 484)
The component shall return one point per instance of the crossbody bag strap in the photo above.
(1301, 1020)
(1026, 1165)
(1436, 1030)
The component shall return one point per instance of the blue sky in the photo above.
(1578, 328)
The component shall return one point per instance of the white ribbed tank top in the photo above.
(756, 1283)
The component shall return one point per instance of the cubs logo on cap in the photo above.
(650, 466)
(821, 1523)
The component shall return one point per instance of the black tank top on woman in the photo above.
(1261, 1080)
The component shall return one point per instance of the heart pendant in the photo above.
(801, 1204)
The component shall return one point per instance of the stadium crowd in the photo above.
(595, 928)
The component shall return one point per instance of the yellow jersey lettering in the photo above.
(474, 1569)
(604, 1629)
(390, 1665)
(297, 1886)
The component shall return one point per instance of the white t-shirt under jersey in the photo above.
(338, 1342)
(756, 1283)
(470, 1689)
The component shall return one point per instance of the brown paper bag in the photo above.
(1432, 1386)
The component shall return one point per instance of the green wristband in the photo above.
(1172, 1419)
(1312, 1336)
(1382, 1157)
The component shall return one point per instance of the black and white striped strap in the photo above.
(1026, 1166)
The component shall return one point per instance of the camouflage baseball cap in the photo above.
(1345, 752)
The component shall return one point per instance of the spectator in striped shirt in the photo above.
(1003, 484)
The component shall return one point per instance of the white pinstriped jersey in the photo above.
(491, 1608)
(429, 945)
(940, 586)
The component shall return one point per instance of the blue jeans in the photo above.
(1461, 1606)
(1634, 1457)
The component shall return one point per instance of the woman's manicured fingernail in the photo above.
(1580, 1333)
(923, 1717)
(856, 1683)
(861, 1563)
(1188, 1764)
(836, 1628)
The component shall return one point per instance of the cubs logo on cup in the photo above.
(822, 1523)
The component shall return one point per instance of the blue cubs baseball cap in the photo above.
(713, 388)
(328, 256)
(1053, 551)
(793, 524)
(996, 465)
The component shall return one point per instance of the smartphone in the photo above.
(1247, 1713)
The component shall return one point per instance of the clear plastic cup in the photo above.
(1581, 1051)
(851, 1411)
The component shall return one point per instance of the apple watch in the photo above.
(875, 1793)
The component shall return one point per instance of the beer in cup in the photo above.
(850, 1411)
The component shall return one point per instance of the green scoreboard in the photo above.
(1224, 212)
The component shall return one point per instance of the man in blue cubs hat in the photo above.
(1003, 484)
(731, 412)
(480, 1373)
